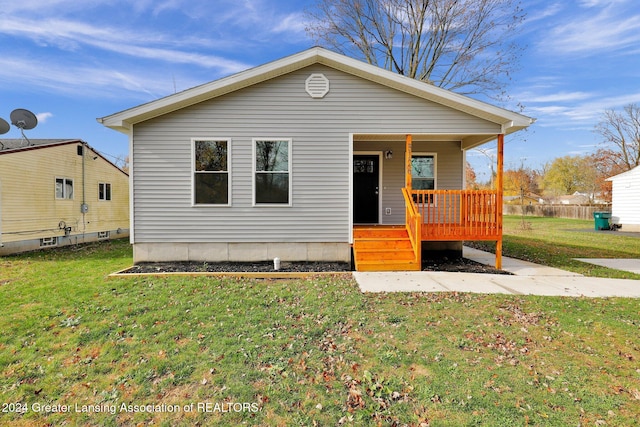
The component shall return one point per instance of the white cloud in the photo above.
(555, 97)
(605, 27)
(84, 80)
(43, 117)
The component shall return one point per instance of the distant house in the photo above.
(527, 199)
(306, 159)
(625, 200)
(56, 192)
(573, 199)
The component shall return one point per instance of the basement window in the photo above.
(46, 242)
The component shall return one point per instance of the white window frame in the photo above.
(435, 170)
(47, 242)
(254, 141)
(104, 191)
(193, 172)
(65, 196)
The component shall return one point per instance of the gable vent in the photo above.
(317, 85)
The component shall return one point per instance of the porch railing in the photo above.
(414, 225)
(456, 214)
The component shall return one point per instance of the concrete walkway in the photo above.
(528, 279)
(631, 265)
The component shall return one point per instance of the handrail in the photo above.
(413, 224)
(458, 214)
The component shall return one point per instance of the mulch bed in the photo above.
(459, 265)
(237, 267)
(451, 265)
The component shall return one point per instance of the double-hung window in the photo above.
(423, 173)
(104, 191)
(272, 171)
(64, 188)
(211, 179)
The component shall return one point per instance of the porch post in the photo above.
(408, 153)
(499, 199)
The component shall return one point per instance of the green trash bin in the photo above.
(602, 220)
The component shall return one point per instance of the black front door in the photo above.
(366, 190)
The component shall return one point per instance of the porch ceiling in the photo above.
(467, 141)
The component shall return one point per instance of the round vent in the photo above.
(317, 85)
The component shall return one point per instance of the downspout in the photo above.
(84, 208)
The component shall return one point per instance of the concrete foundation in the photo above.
(8, 248)
(630, 227)
(240, 252)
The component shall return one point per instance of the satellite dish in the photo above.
(4, 126)
(23, 119)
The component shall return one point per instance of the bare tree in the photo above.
(461, 45)
(621, 133)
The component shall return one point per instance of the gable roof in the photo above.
(123, 121)
(10, 146)
(627, 174)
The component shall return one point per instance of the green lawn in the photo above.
(556, 242)
(310, 352)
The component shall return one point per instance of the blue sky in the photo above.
(72, 61)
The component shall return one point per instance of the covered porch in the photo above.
(451, 215)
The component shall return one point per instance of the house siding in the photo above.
(449, 161)
(30, 210)
(319, 129)
(626, 200)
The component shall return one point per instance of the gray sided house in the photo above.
(308, 158)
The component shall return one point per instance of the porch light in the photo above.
(388, 154)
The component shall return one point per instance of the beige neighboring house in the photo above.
(56, 192)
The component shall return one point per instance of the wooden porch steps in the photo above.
(383, 248)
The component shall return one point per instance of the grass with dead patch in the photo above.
(301, 352)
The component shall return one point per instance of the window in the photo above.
(211, 181)
(423, 172)
(423, 175)
(48, 241)
(64, 188)
(104, 191)
(272, 166)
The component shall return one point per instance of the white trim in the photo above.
(435, 166)
(435, 172)
(351, 207)
(104, 192)
(289, 171)
(380, 155)
(132, 228)
(193, 172)
(48, 242)
(123, 121)
(317, 85)
(64, 188)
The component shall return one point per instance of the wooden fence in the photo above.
(557, 211)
